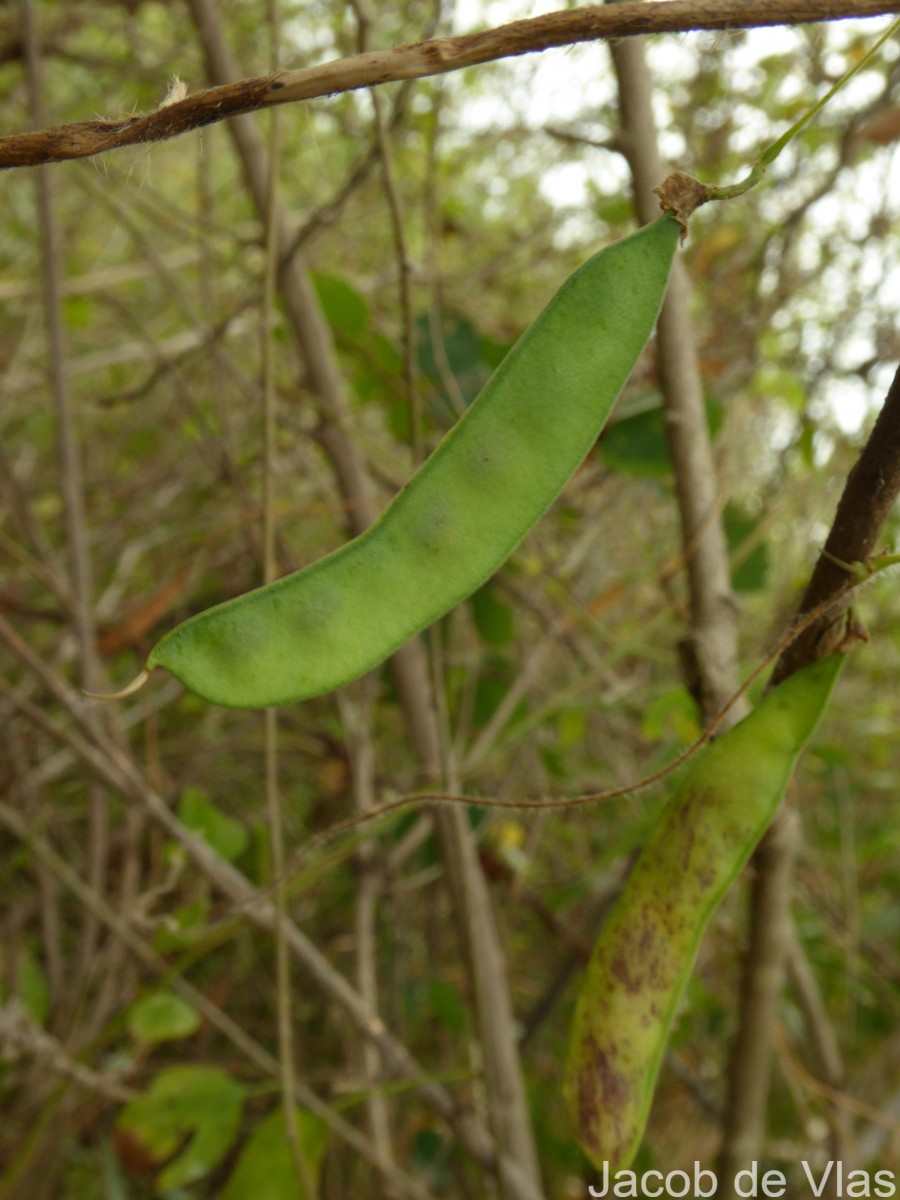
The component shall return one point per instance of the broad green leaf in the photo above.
(266, 1168)
(380, 372)
(462, 349)
(637, 445)
(227, 836)
(202, 1104)
(344, 307)
(162, 1017)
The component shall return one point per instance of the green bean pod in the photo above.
(721, 805)
(461, 515)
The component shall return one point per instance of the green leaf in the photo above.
(227, 836)
(345, 309)
(462, 349)
(266, 1167)
(201, 1104)
(162, 1017)
(380, 372)
(637, 445)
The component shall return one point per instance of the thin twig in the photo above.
(117, 771)
(22, 1037)
(71, 489)
(355, 704)
(867, 1111)
(401, 246)
(709, 648)
(719, 722)
(274, 806)
(821, 1038)
(151, 960)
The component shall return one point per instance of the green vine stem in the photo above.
(681, 194)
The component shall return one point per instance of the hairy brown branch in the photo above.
(420, 59)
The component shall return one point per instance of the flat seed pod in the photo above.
(462, 514)
(721, 806)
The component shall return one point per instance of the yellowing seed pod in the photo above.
(721, 805)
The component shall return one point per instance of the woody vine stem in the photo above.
(418, 60)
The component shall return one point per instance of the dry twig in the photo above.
(418, 60)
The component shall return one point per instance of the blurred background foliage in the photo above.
(561, 676)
